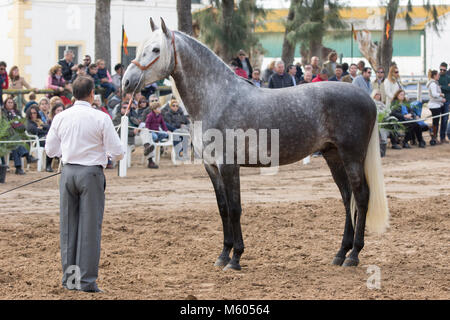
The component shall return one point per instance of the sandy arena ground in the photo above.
(162, 234)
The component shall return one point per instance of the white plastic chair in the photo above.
(39, 151)
(168, 143)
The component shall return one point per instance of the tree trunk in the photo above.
(288, 52)
(385, 49)
(102, 31)
(184, 16)
(315, 49)
(227, 16)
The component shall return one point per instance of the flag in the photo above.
(124, 41)
(388, 29)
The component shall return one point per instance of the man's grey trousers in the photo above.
(82, 202)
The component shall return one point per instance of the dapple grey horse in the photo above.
(335, 118)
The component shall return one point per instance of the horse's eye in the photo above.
(156, 50)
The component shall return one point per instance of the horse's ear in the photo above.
(165, 30)
(152, 25)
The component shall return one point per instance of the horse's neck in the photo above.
(196, 77)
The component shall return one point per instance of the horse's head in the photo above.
(155, 59)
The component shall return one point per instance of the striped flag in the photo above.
(388, 29)
(125, 41)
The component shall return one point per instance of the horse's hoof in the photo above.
(222, 262)
(349, 262)
(232, 266)
(338, 261)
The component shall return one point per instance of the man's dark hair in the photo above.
(345, 66)
(82, 87)
(234, 63)
(444, 64)
(118, 66)
(339, 66)
(290, 67)
(2, 64)
(361, 63)
(366, 69)
(92, 65)
(354, 64)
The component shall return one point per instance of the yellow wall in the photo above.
(17, 34)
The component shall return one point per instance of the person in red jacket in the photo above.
(322, 76)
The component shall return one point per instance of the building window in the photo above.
(75, 49)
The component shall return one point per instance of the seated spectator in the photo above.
(243, 63)
(32, 100)
(280, 79)
(401, 109)
(86, 63)
(299, 74)
(81, 71)
(97, 104)
(315, 66)
(56, 109)
(38, 128)
(337, 73)
(132, 126)
(117, 77)
(56, 82)
(256, 78)
(143, 107)
(105, 78)
(44, 108)
(363, 81)
(384, 133)
(322, 76)
(155, 122)
(239, 71)
(93, 73)
(176, 121)
(268, 72)
(67, 65)
(307, 77)
(55, 100)
(114, 100)
(292, 72)
(352, 75)
(143, 113)
(11, 113)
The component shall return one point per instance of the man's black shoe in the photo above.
(19, 171)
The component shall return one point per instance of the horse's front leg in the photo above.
(230, 176)
(222, 203)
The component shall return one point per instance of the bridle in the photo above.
(144, 68)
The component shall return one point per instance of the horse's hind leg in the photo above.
(355, 172)
(230, 176)
(340, 178)
(222, 203)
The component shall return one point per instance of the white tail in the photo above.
(377, 218)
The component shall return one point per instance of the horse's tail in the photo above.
(377, 218)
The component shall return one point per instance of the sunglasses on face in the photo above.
(443, 70)
(380, 71)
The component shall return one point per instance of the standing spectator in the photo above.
(345, 69)
(105, 78)
(378, 83)
(331, 64)
(337, 73)
(307, 78)
(315, 66)
(43, 109)
(444, 82)
(4, 82)
(256, 78)
(401, 109)
(16, 81)
(292, 71)
(280, 79)
(392, 84)
(352, 75)
(363, 81)
(38, 128)
(67, 65)
(238, 70)
(244, 63)
(322, 76)
(361, 65)
(11, 113)
(268, 72)
(435, 104)
(117, 77)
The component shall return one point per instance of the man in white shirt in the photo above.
(84, 138)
